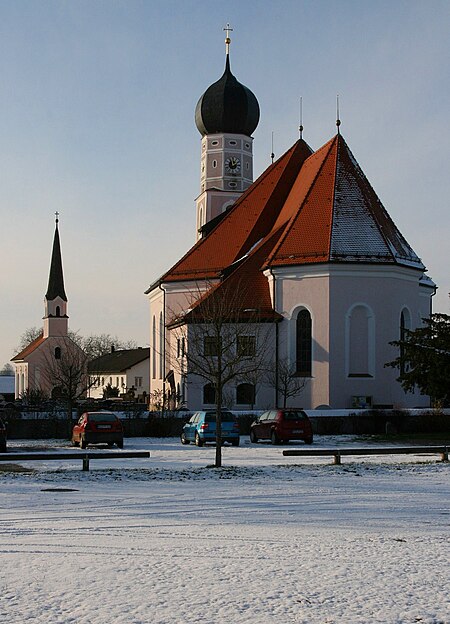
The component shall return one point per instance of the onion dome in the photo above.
(227, 107)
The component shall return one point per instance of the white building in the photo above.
(126, 369)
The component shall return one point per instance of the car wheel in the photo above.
(183, 439)
(3, 448)
(110, 444)
(274, 438)
(253, 437)
(235, 442)
(120, 444)
(83, 442)
(308, 440)
(198, 441)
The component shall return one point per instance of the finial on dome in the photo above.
(300, 127)
(338, 121)
(227, 29)
(272, 155)
(56, 218)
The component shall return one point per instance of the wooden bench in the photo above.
(84, 456)
(337, 453)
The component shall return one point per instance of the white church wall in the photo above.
(381, 292)
(297, 289)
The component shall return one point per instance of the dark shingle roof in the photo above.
(118, 361)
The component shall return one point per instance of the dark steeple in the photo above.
(56, 278)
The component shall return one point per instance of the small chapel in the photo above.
(329, 273)
(33, 363)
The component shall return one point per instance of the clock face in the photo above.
(232, 165)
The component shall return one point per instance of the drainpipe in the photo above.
(276, 336)
(164, 338)
(431, 300)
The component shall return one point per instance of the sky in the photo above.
(97, 101)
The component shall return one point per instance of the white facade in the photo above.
(135, 379)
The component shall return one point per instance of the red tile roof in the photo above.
(34, 344)
(249, 220)
(306, 208)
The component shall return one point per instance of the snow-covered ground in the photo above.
(267, 539)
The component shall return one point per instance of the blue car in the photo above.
(201, 428)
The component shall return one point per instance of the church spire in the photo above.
(56, 278)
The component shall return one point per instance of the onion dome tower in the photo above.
(226, 116)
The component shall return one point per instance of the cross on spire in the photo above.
(227, 29)
(57, 217)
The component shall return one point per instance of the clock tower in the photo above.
(226, 116)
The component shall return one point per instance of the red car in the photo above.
(282, 425)
(98, 428)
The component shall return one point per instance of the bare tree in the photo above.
(224, 342)
(282, 377)
(7, 370)
(97, 345)
(94, 346)
(28, 336)
(64, 372)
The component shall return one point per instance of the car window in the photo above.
(294, 415)
(263, 416)
(272, 415)
(102, 417)
(226, 417)
(193, 419)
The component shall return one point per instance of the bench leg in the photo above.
(86, 463)
(337, 459)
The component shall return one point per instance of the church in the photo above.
(36, 366)
(322, 263)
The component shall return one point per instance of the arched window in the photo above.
(154, 348)
(57, 353)
(360, 342)
(209, 394)
(58, 311)
(303, 342)
(245, 394)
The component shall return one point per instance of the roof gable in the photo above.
(34, 344)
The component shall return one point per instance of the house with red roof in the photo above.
(33, 363)
(323, 263)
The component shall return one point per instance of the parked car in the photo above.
(2, 436)
(201, 428)
(98, 428)
(282, 425)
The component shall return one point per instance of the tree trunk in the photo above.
(69, 418)
(218, 463)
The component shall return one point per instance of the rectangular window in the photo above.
(246, 346)
(210, 346)
(138, 382)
